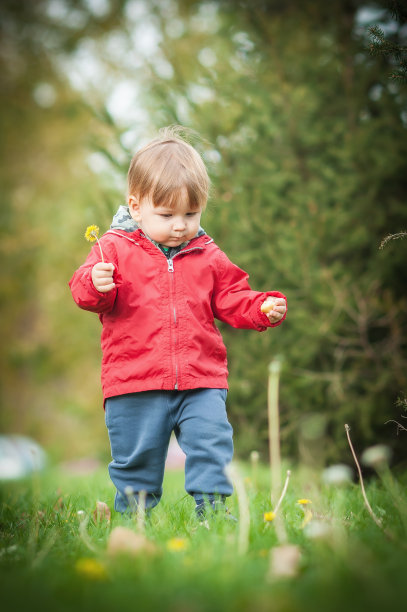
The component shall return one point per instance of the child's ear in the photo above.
(134, 208)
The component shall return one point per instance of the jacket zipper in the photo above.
(170, 264)
(173, 339)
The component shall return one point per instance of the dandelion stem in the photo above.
(274, 427)
(92, 234)
(254, 460)
(368, 506)
(47, 547)
(83, 523)
(141, 510)
(131, 499)
(100, 248)
(283, 492)
(244, 512)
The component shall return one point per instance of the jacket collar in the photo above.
(199, 241)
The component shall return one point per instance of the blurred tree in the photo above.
(49, 195)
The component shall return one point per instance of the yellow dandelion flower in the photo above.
(92, 233)
(91, 569)
(177, 544)
(269, 516)
(304, 502)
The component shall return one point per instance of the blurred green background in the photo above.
(304, 134)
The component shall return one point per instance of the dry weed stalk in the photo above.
(367, 504)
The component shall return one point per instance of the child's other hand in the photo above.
(102, 277)
(274, 308)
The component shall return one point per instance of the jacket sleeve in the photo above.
(234, 301)
(83, 289)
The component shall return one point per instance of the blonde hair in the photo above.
(166, 169)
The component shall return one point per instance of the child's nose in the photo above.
(179, 223)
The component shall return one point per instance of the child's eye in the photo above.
(165, 216)
(191, 214)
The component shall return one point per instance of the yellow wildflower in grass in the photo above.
(92, 234)
(304, 502)
(269, 516)
(91, 569)
(177, 544)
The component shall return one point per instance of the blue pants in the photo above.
(140, 426)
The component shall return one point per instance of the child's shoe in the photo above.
(205, 507)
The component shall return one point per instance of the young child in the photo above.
(164, 369)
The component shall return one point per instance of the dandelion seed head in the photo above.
(377, 455)
(317, 529)
(337, 474)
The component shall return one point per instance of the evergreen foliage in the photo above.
(303, 194)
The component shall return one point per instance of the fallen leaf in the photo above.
(126, 541)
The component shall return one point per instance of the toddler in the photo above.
(164, 369)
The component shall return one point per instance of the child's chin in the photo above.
(174, 242)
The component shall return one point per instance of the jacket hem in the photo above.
(136, 387)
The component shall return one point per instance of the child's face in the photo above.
(168, 226)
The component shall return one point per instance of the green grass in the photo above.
(354, 567)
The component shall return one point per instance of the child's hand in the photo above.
(274, 308)
(102, 277)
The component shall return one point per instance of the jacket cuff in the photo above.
(89, 298)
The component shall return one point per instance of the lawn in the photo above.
(54, 559)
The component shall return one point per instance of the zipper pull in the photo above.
(170, 265)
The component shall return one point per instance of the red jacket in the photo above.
(158, 323)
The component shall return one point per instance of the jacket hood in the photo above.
(123, 220)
